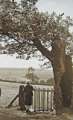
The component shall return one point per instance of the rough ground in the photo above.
(13, 114)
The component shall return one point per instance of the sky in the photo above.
(59, 6)
(7, 61)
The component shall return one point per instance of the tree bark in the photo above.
(66, 82)
(58, 51)
(58, 100)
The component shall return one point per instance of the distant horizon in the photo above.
(25, 68)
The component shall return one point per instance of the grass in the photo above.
(18, 75)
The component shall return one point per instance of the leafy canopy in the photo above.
(23, 29)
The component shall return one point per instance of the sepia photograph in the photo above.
(36, 60)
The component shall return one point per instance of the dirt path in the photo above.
(13, 114)
(4, 116)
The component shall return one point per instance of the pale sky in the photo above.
(7, 61)
(58, 6)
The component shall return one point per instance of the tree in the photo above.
(24, 29)
(31, 75)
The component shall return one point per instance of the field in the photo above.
(18, 75)
(9, 89)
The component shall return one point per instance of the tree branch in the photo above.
(42, 49)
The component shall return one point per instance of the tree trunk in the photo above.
(66, 82)
(58, 50)
(58, 99)
(62, 68)
(60, 65)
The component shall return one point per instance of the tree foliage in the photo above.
(23, 29)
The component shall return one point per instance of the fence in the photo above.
(42, 96)
(43, 99)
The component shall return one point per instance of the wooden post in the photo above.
(34, 100)
(21, 97)
(0, 91)
(47, 98)
(43, 98)
(39, 97)
(10, 104)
